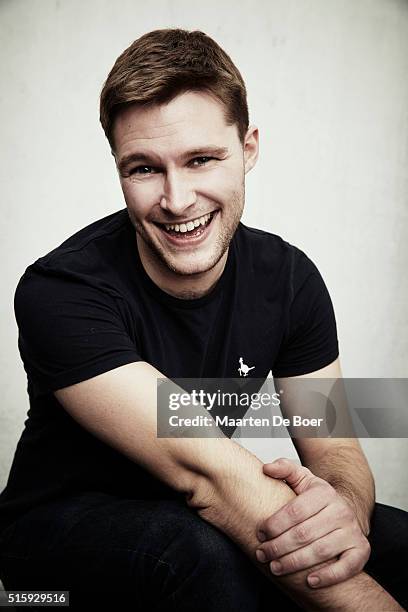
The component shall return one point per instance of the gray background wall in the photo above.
(328, 88)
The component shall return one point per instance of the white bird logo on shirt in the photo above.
(243, 368)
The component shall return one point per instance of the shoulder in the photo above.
(270, 254)
(87, 257)
(85, 239)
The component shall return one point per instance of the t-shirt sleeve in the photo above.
(68, 331)
(310, 338)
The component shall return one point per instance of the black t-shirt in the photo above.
(88, 306)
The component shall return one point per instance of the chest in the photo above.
(228, 338)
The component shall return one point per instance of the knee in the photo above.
(210, 547)
(188, 539)
(389, 532)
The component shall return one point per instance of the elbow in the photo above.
(196, 487)
(200, 493)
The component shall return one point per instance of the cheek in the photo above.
(222, 184)
(140, 197)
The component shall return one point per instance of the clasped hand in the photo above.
(316, 526)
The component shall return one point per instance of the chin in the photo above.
(189, 268)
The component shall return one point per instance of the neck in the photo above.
(184, 286)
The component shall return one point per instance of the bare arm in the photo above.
(339, 461)
(119, 407)
(223, 481)
(344, 466)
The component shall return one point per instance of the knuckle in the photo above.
(268, 527)
(320, 549)
(368, 546)
(359, 566)
(344, 512)
(283, 461)
(273, 550)
(333, 574)
(294, 511)
(291, 563)
(302, 534)
(352, 566)
(366, 549)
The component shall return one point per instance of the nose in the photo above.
(177, 195)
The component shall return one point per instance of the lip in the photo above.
(180, 221)
(189, 241)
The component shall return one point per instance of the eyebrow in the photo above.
(145, 157)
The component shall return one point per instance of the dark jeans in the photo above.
(160, 556)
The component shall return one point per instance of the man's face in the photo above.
(182, 174)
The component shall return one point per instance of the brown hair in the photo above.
(164, 63)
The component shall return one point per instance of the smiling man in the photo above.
(182, 175)
(175, 285)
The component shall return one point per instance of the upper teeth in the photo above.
(187, 227)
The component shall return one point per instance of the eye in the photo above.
(201, 161)
(142, 170)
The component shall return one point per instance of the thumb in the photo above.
(296, 476)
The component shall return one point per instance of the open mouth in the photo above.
(191, 229)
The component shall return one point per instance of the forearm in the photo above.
(358, 594)
(239, 497)
(225, 483)
(235, 494)
(229, 489)
(347, 470)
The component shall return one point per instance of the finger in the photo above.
(351, 562)
(303, 534)
(328, 547)
(297, 510)
(296, 476)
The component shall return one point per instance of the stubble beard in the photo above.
(161, 256)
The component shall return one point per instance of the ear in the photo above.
(251, 148)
